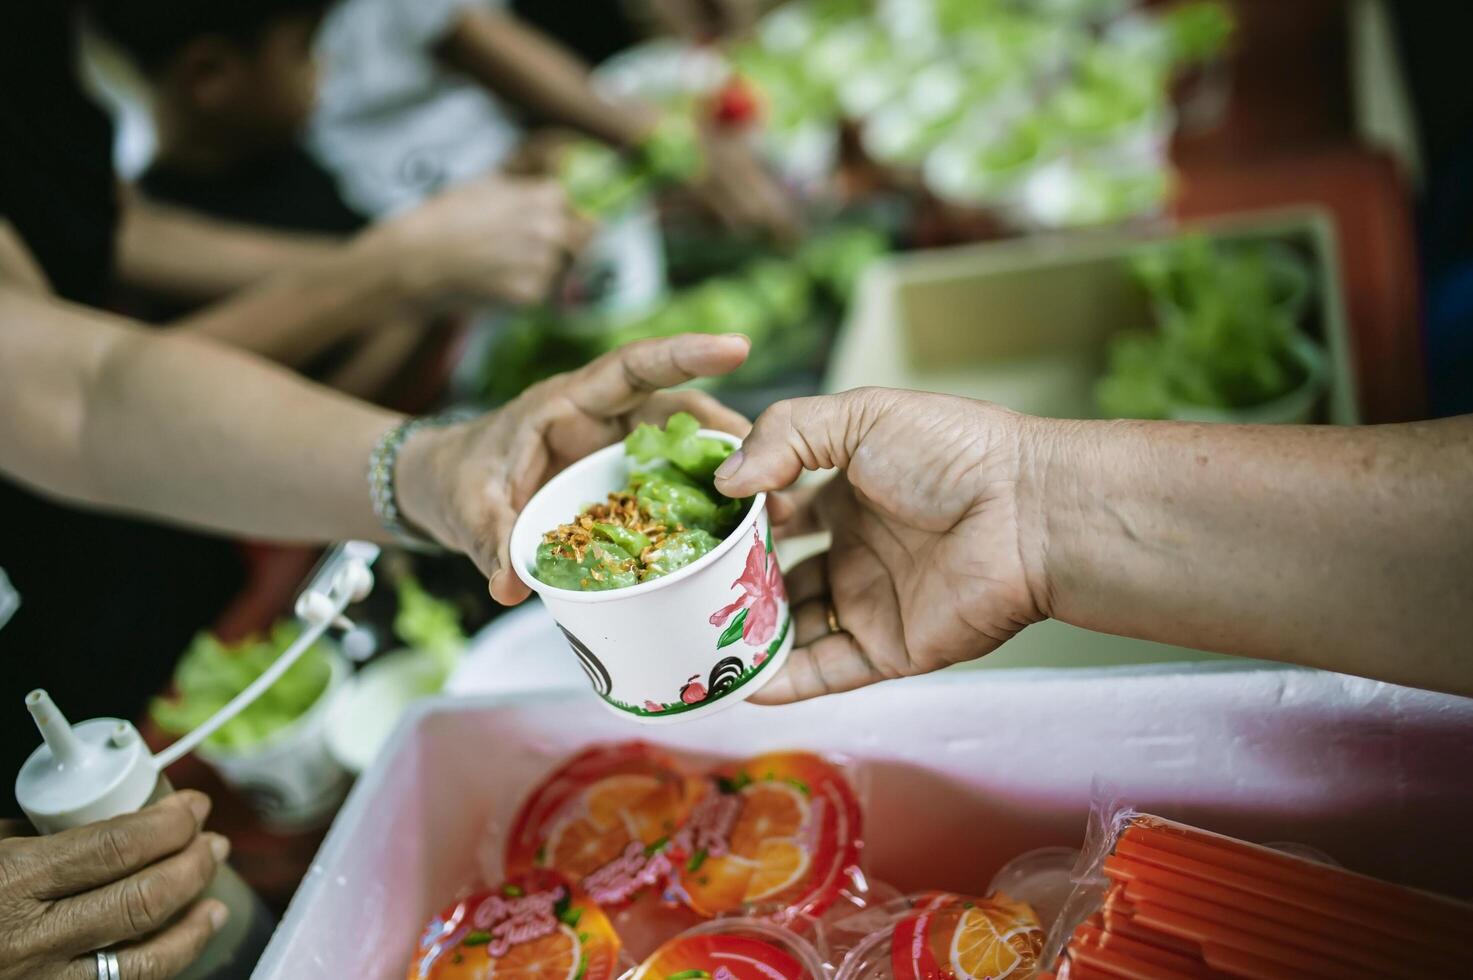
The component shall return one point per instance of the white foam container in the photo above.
(967, 770)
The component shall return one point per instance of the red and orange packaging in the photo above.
(535, 926)
(941, 936)
(648, 850)
(734, 949)
(778, 835)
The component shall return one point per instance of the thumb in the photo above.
(796, 435)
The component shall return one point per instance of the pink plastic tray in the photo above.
(967, 770)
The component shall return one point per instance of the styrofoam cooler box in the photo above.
(961, 773)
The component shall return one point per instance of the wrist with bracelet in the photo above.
(383, 462)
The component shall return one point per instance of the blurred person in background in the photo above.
(232, 84)
(598, 31)
(418, 95)
(957, 523)
(68, 229)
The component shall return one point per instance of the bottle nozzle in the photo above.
(66, 748)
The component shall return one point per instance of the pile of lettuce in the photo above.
(1227, 324)
(211, 673)
(785, 304)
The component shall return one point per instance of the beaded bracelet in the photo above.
(382, 463)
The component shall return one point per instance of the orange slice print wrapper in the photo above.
(949, 937)
(537, 926)
(776, 835)
(604, 819)
(721, 957)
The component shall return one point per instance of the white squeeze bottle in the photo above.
(101, 769)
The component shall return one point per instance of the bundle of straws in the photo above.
(1184, 903)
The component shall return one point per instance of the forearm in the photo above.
(99, 412)
(524, 66)
(1344, 548)
(293, 316)
(189, 256)
(377, 360)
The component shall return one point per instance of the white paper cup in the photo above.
(290, 778)
(675, 648)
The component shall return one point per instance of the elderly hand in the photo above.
(466, 484)
(930, 564)
(132, 882)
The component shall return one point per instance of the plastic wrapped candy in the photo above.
(950, 937)
(778, 835)
(604, 819)
(534, 927)
(733, 949)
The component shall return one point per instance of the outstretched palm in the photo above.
(926, 567)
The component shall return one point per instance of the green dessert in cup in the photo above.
(668, 515)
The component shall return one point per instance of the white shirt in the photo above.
(392, 124)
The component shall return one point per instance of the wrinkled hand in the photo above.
(467, 483)
(495, 238)
(739, 189)
(132, 882)
(929, 565)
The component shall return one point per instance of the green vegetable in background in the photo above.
(211, 673)
(600, 181)
(1198, 30)
(1227, 327)
(837, 260)
(429, 624)
(776, 301)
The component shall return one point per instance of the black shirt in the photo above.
(107, 604)
(56, 180)
(287, 190)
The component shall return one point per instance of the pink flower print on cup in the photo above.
(762, 589)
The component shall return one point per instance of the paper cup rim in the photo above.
(572, 475)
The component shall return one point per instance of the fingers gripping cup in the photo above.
(668, 619)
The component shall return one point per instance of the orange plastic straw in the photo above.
(1233, 888)
(1147, 953)
(1123, 923)
(1342, 885)
(1236, 963)
(1187, 904)
(1130, 871)
(1083, 951)
(1118, 913)
(1326, 936)
(1205, 932)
